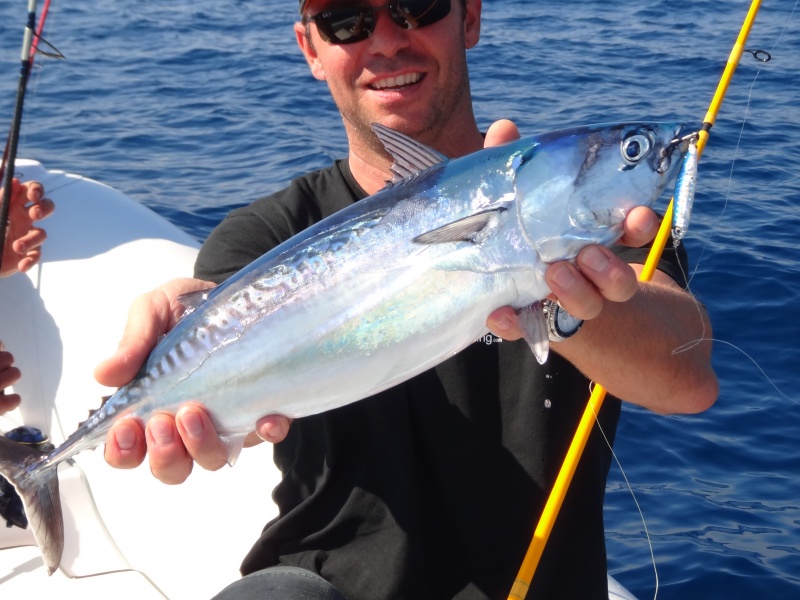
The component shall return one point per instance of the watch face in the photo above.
(565, 323)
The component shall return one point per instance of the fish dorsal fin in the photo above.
(534, 328)
(410, 157)
(193, 300)
(473, 228)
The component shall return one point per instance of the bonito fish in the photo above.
(379, 292)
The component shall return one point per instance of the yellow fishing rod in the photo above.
(540, 536)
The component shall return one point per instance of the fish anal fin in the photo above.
(534, 329)
(473, 228)
(234, 443)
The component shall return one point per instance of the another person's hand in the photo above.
(172, 443)
(23, 240)
(9, 375)
(598, 274)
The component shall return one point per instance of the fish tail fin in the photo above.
(38, 490)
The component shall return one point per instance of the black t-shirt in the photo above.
(431, 489)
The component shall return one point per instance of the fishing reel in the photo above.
(10, 503)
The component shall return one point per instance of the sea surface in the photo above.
(195, 107)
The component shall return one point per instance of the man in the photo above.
(431, 489)
(22, 251)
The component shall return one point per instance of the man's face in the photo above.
(414, 81)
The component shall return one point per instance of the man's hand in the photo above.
(598, 273)
(9, 375)
(173, 443)
(23, 240)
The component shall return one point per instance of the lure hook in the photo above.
(690, 137)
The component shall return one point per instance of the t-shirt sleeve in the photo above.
(250, 231)
(238, 240)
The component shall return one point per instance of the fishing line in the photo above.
(635, 500)
(693, 343)
(552, 507)
(729, 184)
(763, 57)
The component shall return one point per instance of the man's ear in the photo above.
(472, 23)
(303, 35)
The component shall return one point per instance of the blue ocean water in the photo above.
(193, 108)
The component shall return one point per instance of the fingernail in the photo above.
(272, 432)
(125, 438)
(594, 259)
(193, 425)
(161, 432)
(268, 431)
(563, 277)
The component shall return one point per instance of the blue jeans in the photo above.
(280, 583)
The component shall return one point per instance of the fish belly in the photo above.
(344, 343)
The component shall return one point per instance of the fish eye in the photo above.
(635, 147)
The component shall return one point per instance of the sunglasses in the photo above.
(351, 24)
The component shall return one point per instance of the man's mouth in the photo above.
(396, 82)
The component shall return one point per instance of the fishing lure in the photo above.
(684, 193)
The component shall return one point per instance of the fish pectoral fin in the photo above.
(534, 330)
(473, 228)
(410, 157)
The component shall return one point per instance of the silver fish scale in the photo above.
(226, 322)
(318, 258)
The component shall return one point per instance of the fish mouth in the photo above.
(396, 82)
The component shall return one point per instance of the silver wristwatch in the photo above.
(560, 324)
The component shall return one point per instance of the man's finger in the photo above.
(613, 277)
(503, 323)
(641, 226)
(575, 294)
(125, 444)
(170, 462)
(501, 132)
(273, 428)
(200, 438)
